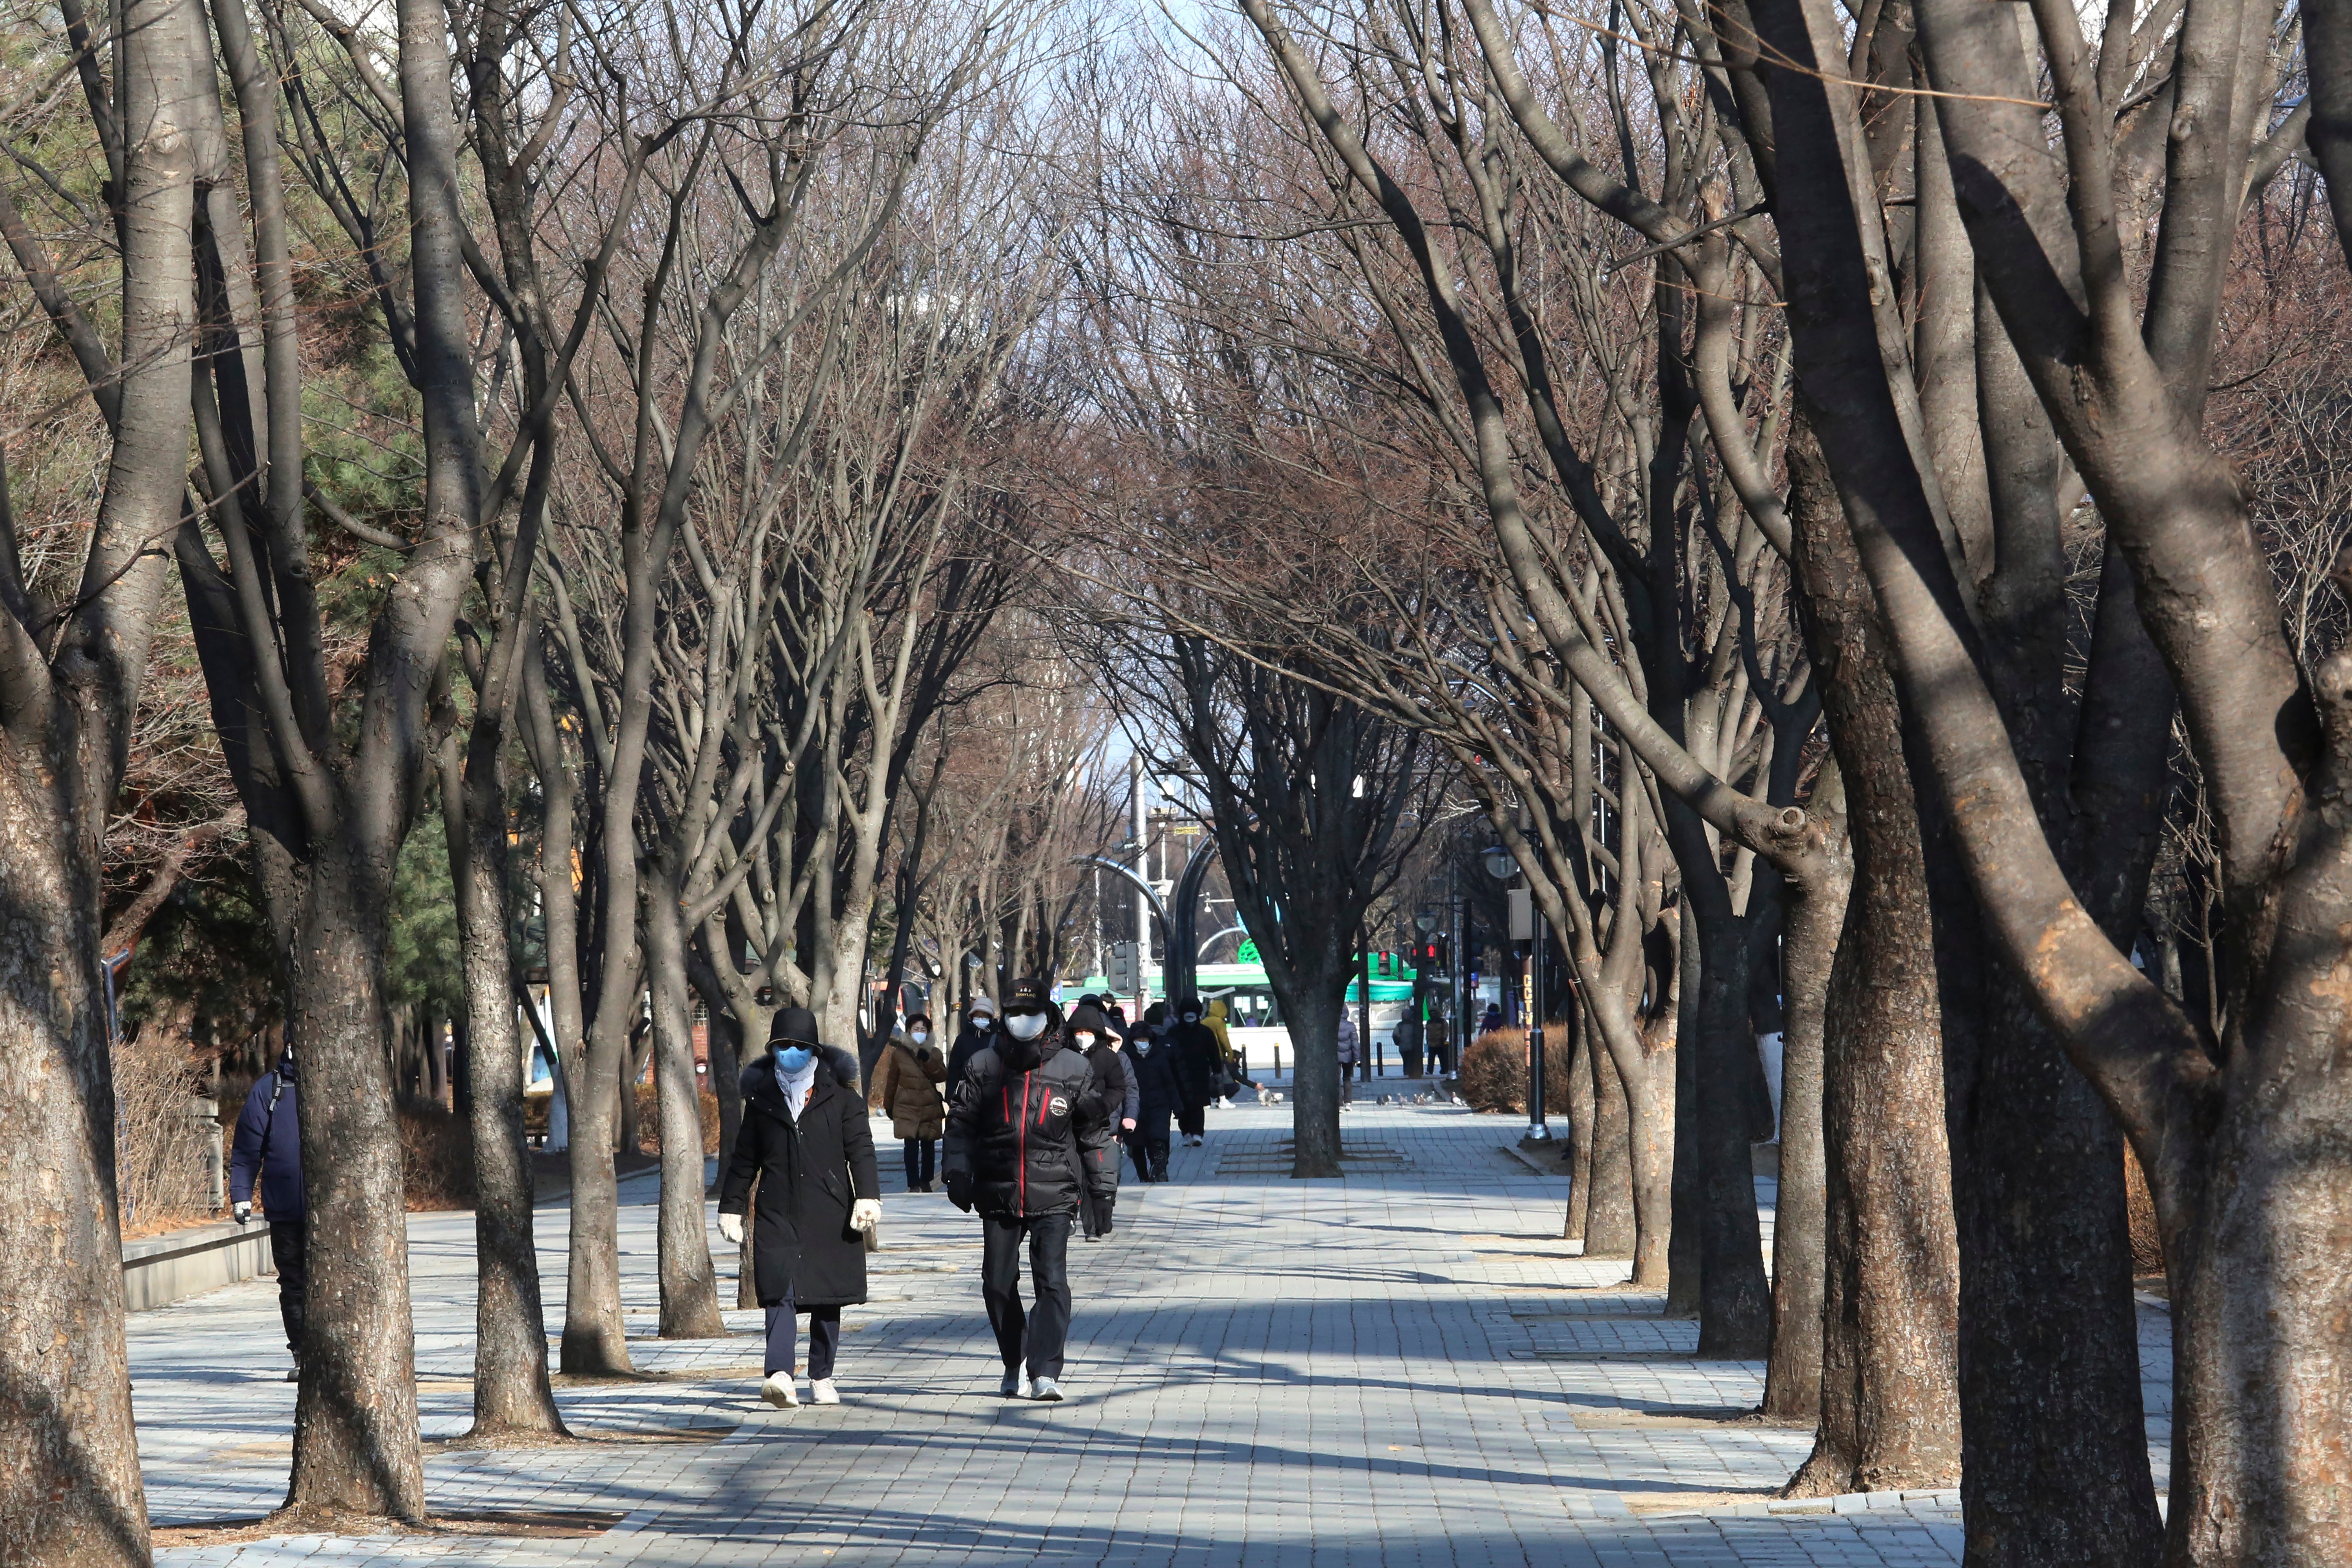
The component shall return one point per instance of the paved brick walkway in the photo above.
(1400, 1368)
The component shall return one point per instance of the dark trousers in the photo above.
(922, 1156)
(289, 1248)
(1148, 1146)
(1193, 1119)
(1095, 1212)
(824, 1338)
(1038, 1334)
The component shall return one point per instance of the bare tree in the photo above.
(71, 1490)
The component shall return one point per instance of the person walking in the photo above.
(975, 1036)
(1348, 1051)
(807, 1140)
(1197, 1061)
(906, 1089)
(1236, 1077)
(1095, 1039)
(1151, 1063)
(1017, 1129)
(267, 1144)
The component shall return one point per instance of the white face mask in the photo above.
(919, 1036)
(1025, 1026)
(1086, 1042)
(980, 1021)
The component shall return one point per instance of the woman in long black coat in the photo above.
(1151, 1063)
(807, 1140)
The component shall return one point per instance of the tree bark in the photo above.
(1314, 1015)
(1734, 1300)
(1580, 1108)
(71, 1489)
(1684, 1251)
(689, 1285)
(355, 1432)
(1792, 1379)
(1889, 1411)
(511, 1394)
(1609, 1221)
(594, 1340)
(2049, 1348)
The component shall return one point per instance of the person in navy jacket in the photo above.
(269, 1145)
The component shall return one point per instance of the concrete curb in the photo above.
(159, 1270)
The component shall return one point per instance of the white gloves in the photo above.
(731, 1225)
(243, 1212)
(865, 1214)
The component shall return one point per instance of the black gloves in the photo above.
(960, 1189)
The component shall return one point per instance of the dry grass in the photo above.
(162, 1137)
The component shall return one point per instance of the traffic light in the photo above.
(1124, 975)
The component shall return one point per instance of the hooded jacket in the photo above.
(969, 1041)
(1119, 1090)
(1151, 1063)
(1197, 1059)
(905, 1088)
(811, 1171)
(268, 1144)
(1019, 1124)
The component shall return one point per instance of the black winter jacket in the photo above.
(1119, 1089)
(1159, 1094)
(1197, 1060)
(268, 1144)
(1022, 1119)
(969, 1043)
(810, 1173)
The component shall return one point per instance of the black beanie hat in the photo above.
(793, 1025)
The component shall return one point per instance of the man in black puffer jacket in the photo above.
(1017, 1132)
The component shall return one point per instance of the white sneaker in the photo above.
(779, 1391)
(1015, 1385)
(1045, 1389)
(822, 1392)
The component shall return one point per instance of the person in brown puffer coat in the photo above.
(906, 1087)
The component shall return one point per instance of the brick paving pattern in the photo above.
(1401, 1367)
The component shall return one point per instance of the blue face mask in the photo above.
(793, 1059)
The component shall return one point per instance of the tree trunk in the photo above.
(1608, 1220)
(594, 1340)
(70, 1491)
(1580, 1107)
(1792, 1380)
(1682, 1244)
(355, 1435)
(511, 1388)
(1735, 1301)
(2048, 1347)
(689, 1285)
(630, 1132)
(1314, 1015)
(837, 1014)
(1889, 1410)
